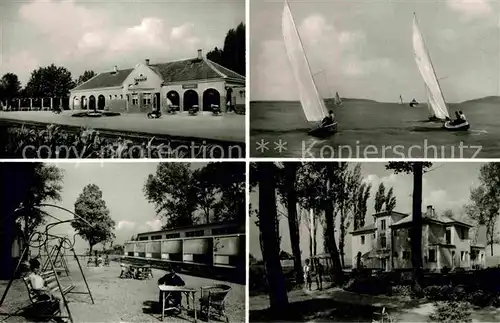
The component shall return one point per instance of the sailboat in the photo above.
(338, 101)
(401, 99)
(435, 98)
(312, 104)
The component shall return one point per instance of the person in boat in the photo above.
(328, 120)
(462, 116)
(457, 119)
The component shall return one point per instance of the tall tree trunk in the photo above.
(314, 230)
(267, 215)
(416, 235)
(342, 236)
(290, 177)
(330, 243)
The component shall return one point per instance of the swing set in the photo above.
(52, 266)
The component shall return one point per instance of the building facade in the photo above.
(386, 244)
(180, 84)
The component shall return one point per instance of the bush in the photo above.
(402, 290)
(438, 293)
(373, 285)
(445, 270)
(451, 312)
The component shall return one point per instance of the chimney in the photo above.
(116, 69)
(430, 211)
(146, 61)
(200, 54)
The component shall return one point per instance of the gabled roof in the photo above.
(386, 213)
(366, 228)
(192, 69)
(439, 219)
(106, 79)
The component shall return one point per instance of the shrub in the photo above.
(373, 285)
(402, 290)
(451, 312)
(445, 270)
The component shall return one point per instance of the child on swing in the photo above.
(39, 287)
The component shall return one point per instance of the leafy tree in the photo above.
(485, 205)
(206, 190)
(265, 176)
(172, 192)
(50, 81)
(232, 55)
(390, 201)
(380, 198)
(87, 75)
(91, 207)
(10, 88)
(360, 206)
(417, 169)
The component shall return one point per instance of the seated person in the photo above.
(124, 272)
(99, 261)
(39, 287)
(106, 260)
(462, 116)
(194, 109)
(172, 279)
(215, 109)
(91, 261)
(458, 119)
(328, 120)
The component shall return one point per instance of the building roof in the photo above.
(385, 213)
(440, 219)
(195, 227)
(366, 228)
(106, 79)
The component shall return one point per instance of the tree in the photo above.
(87, 75)
(206, 191)
(232, 55)
(290, 179)
(417, 169)
(485, 206)
(172, 192)
(91, 207)
(51, 81)
(270, 250)
(10, 88)
(390, 201)
(380, 198)
(360, 206)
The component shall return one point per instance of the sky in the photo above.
(363, 49)
(121, 185)
(96, 35)
(445, 186)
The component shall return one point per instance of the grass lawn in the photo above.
(121, 300)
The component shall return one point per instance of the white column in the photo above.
(51, 104)
(41, 104)
(19, 104)
(31, 104)
(60, 103)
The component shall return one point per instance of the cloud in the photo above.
(22, 63)
(125, 225)
(154, 225)
(471, 9)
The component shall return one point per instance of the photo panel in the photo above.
(373, 241)
(140, 242)
(374, 79)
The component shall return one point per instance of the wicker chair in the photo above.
(213, 301)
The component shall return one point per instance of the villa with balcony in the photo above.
(385, 243)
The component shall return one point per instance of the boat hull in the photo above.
(459, 127)
(323, 132)
(412, 105)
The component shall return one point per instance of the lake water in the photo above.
(369, 129)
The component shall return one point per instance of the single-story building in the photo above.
(182, 84)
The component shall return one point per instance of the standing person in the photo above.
(319, 274)
(307, 275)
(229, 99)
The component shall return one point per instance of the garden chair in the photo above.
(213, 301)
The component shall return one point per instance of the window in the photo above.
(143, 238)
(172, 235)
(382, 224)
(116, 96)
(135, 99)
(383, 242)
(406, 255)
(432, 255)
(146, 99)
(448, 235)
(111, 97)
(373, 236)
(121, 96)
(194, 233)
(158, 237)
(220, 231)
(362, 239)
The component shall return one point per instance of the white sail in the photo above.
(435, 95)
(312, 104)
(338, 101)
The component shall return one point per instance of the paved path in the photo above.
(229, 127)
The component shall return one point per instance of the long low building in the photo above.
(182, 84)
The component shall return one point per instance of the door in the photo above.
(157, 104)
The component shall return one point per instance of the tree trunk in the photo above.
(290, 177)
(330, 243)
(416, 235)
(270, 248)
(342, 237)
